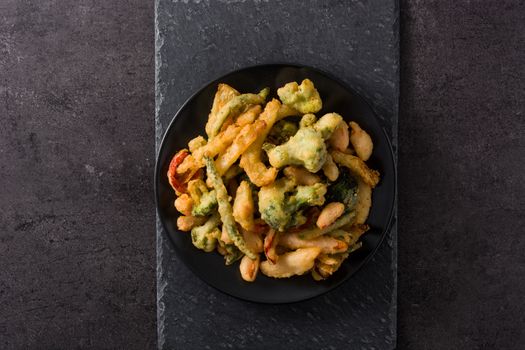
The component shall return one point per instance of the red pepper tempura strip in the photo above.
(177, 159)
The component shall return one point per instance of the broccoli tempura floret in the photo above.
(303, 98)
(307, 196)
(205, 237)
(307, 147)
(281, 211)
(272, 203)
(204, 200)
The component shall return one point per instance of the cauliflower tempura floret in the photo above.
(327, 124)
(303, 98)
(307, 147)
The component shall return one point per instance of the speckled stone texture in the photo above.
(77, 219)
(461, 182)
(200, 40)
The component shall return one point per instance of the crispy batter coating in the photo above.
(357, 167)
(361, 141)
(307, 147)
(328, 245)
(205, 237)
(232, 108)
(280, 209)
(204, 200)
(244, 206)
(251, 161)
(225, 209)
(293, 263)
(304, 98)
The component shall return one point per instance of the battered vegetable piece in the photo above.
(249, 116)
(272, 203)
(230, 251)
(306, 196)
(224, 236)
(196, 143)
(188, 167)
(249, 268)
(224, 94)
(186, 223)
(327, 124)
(328, 245)
(361, 141)
(205, 237)
(280, 210)
(287, 111)
(253, 240)
(184, 204)
(327, 265)
(232, 108)
(301, 176)
(270, 244)
(204, 200)
(251, 159)
(304, 98)
(330, 169)
(307, 120)
(298, 219)
(357, 167)
(244, 206)
(364, 202)
(217, 145)
(316, 231)
(176, 181)
(293, 263)
(329, 214)
(225, 209)
(340, 139)
(243, 140)
(307, 146)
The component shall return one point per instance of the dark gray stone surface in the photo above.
(198, 41)
(77, 252)
(77, 219)
(461, 183)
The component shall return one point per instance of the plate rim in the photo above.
(329, 75)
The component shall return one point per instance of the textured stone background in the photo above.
(77, 220)
(77, 246)
(461, 183)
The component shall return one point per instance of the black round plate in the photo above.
(189, 122)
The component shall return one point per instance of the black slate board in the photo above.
(200, 40)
